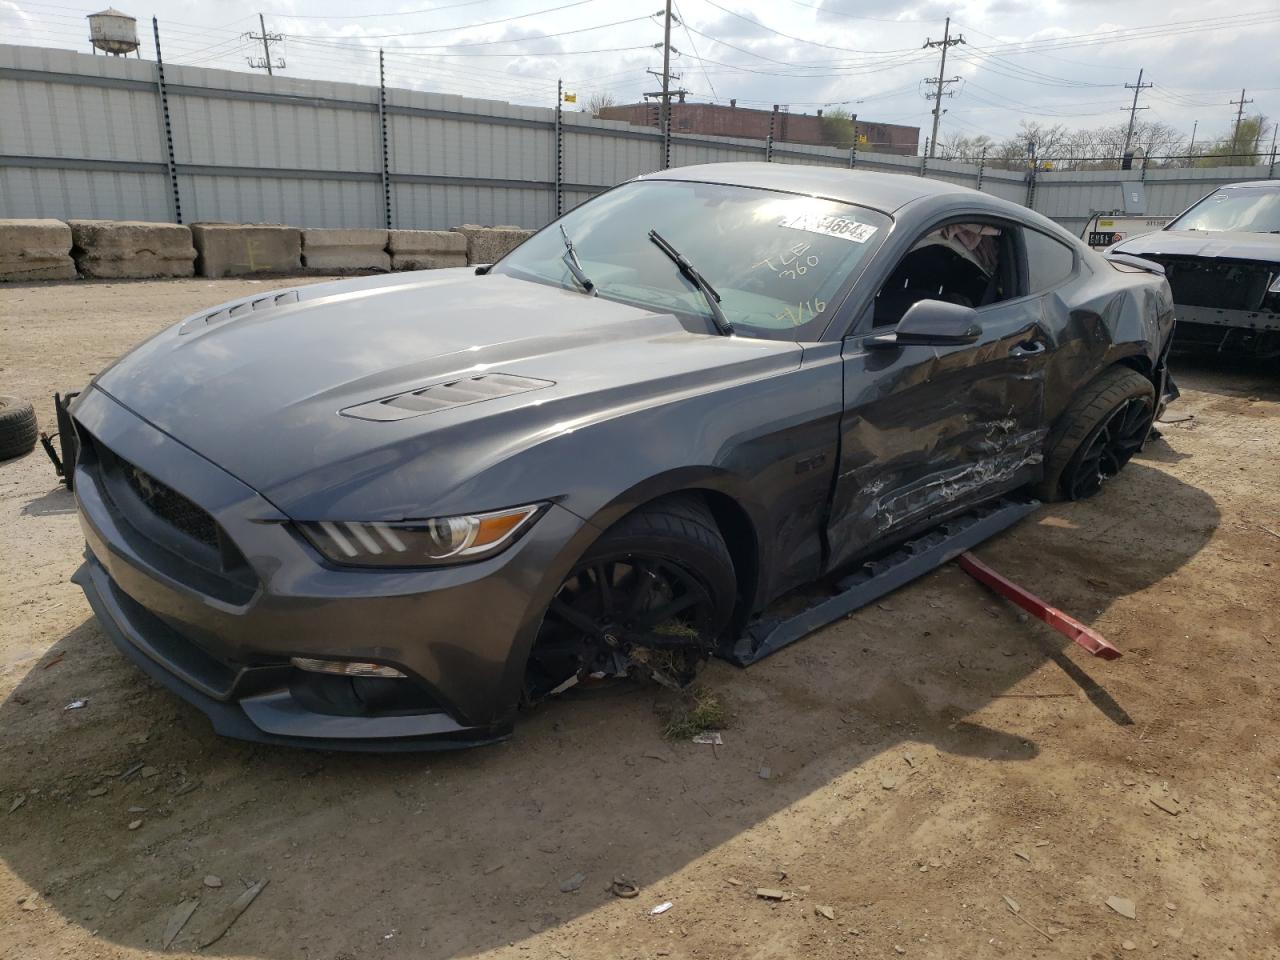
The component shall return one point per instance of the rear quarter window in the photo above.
(1049, 261)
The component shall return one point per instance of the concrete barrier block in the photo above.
(427, 249)
(132, 249)
(35, 250)
(232, 249)
(487, 244)
(338, 251)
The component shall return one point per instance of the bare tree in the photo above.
(599, 101)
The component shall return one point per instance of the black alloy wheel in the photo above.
(1112, 445)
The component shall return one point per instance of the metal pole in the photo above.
(982, 167)
(170, 160)
(1235, 131)
(768, 144)
(853, 147)
(266, 50)
(382, 123)
(559, 148)
(924, 157)
(666, 88)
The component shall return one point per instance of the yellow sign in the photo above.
(570, 98)
(862, 138)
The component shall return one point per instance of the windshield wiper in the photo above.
(694, 277)
(575, 267)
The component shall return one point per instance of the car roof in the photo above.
(883, 191)
(1273, 184)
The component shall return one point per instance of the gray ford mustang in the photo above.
(383, 513)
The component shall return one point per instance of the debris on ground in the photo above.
(177, 920)
(96, 791)
(888, 783)
(18, 801)
(733, 880)
(713, 738)
(1129, 945)
(231, 914)
(824, 911)
(573, 884)
(77, 704)
(764, 773)
(134, 824)
(1123, 906)
(1022, 855)
(149, 772)
(29, 902)
(113, 893)
(772, 893)
(624, 888)
(212, 882)
(660, 908)
(1167, 804)
(697, 711)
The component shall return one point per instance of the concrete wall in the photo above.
(82, 137)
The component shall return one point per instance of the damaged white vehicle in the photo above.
(1222, 259)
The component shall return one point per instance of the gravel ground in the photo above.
(945, 779)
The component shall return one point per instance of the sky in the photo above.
(1047, 60)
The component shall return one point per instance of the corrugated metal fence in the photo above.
(84, 136)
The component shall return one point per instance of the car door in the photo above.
(929, 430)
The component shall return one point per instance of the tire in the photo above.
(18, 429)
(1103, 427)
(668, 553)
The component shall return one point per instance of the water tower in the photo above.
(113, 32)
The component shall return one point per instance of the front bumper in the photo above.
(223, 643)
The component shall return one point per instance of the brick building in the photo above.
(717, 120)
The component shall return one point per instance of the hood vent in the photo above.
(445, 396)
(239, 310)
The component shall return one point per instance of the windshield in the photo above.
(777, 260)
(1249, 209)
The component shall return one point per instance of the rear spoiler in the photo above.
(1129, 260)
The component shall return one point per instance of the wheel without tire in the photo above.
(18, 429)
(1105, 425)
(650, 598)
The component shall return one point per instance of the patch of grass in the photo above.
(697, 711)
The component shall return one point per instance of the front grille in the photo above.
(171, 506)
(167, 529)
(1223, 284)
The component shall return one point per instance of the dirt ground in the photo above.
(931, 761)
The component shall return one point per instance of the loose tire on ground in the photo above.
(1119, 394)
(675, 545)
(18, 429)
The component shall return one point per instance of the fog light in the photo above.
(346, 668)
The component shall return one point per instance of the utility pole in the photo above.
(941, 81)
(267, 39)
(1235, 133)
(665, 114)
(1191, 150)
(1137, 88)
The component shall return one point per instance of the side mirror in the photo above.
(931, 323)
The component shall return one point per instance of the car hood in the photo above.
(1200, 243)
(258, 386)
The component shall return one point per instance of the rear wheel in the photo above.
(650, 599)
(1099, 433)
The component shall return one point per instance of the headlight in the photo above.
(413, 543)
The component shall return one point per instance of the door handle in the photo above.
(1030, 348)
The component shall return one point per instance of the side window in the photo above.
(966, 263)
(1049, 261)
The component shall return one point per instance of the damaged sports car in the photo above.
(1222, 259)
(386, 512)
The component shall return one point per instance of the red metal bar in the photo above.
(1065, 624)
